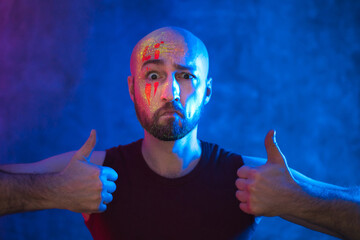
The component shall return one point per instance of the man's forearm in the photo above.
(329, 207)
(79, 185)
(25, 192)
(271, 188)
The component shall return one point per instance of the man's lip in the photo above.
(170, 112)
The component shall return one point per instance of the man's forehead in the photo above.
(162, 45)
(166, 48)
(174, 45)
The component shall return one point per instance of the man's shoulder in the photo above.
(217, 151)
(129, 146)
(120, 151)
(220, 155)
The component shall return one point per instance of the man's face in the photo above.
(168, 84)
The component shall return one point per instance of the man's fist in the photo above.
(266, 190)
(84, 186)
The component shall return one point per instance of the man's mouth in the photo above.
(170, 113)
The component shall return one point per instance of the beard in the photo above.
(173, 128)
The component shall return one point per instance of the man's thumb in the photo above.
(86, 149)
(274, 154)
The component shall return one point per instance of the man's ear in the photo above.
(131, 87)
(208, 90)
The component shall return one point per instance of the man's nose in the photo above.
(171, 89)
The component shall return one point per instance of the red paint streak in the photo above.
(148, 92)
(158, 44)
(156, 84)
(145, 58)
(147, 68)
(157, 54)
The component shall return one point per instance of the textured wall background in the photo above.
(293, 66)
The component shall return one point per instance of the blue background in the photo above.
(289, 65)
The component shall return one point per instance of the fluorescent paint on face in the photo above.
(146, 57)
(162, 46)
(148, 89)
(167, 47)
(174, 50)
(158, 44)
(156, 84)
(148, 92)
(156, 54)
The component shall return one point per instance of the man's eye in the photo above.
(185, 75)
(153, 76)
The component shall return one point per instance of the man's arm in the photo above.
(52, 164)
(273, 189)
(67, 181)
(326, 208)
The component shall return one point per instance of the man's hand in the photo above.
(83, 186)
(270, 189)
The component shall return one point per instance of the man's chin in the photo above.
(167, 132)
(166, 136)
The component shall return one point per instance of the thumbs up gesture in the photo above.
(266, 190)
(83, 186)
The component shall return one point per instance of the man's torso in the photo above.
(199, 205)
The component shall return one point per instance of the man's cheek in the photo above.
(192, 105)
(149, 92)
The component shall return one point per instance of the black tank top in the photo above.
(199, 205)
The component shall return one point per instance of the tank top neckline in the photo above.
(171, 181)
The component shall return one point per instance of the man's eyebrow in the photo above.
(153, 61)
(161, 62)
(181, 67)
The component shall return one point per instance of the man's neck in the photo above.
(172, 159)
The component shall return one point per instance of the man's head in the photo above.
(169, 84)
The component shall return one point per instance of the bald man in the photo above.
(171, 185)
